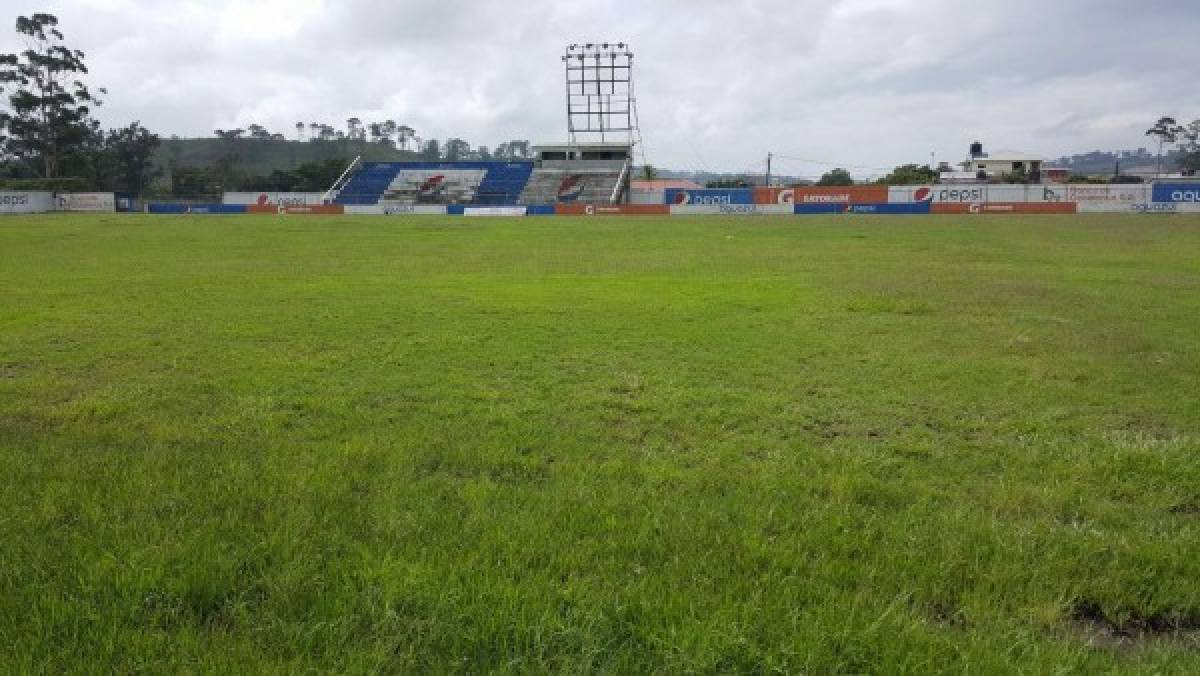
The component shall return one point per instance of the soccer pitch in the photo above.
(843, 444)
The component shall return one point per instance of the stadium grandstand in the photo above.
(591, 173)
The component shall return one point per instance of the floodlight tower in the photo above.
(601, 105)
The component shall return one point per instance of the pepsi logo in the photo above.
(923, 195)
(683, 197)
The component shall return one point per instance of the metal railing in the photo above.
(331, 194)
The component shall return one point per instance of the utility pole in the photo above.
(770, 156)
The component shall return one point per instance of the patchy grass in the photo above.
(845, 444)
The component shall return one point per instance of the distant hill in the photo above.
(1105, 163)
(262, 156)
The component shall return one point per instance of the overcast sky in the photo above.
(868, 83)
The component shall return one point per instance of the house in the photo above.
(1002, 162)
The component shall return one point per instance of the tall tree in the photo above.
(257, 131)
(404, 134)
(910, 174)
(1190, 145)
(131, 150)
(299, 131)
(456, 150)
(1167, 131)
(431, 152)
(836, 177)
(51, 105)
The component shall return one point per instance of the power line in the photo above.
(843, 165)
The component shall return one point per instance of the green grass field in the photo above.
(247, 444)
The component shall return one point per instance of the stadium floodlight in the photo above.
(600, 95)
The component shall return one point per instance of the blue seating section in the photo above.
(366, 186)
(501, 185)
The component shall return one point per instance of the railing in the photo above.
(621, 180)
(331, 194)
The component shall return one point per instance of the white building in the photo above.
(1003, 162)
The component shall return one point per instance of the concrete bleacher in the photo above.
(481, 183)
(554, 186)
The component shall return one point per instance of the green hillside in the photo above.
(262, 156)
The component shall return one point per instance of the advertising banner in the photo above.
(540, 210)
(852, 194)
(286, 199)
(395, 210)
(814, 209)
(1177, 192)
(97, 202)
(174, 208)
(25, 202)
(316, 209)
(494, 211)
(1014, 194)
(887, 209)
(774, 196)
(731, 209)
(1084, 193)
(713, 196)
(902, 194)
(1164, 208)
(612, 209)
(1004, 208)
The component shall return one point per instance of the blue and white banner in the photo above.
(1176, 193)
(708, 196)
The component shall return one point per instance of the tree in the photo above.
(51, 106)
(519, 149)
(354, 130)
(649, 173)
(431, 152)
(131, 150)
(1167, 131)
(727, 183)
(456, 150)
(1017, 175)
(910, 174)
(1189, 161)
(230, 135)
(836, 177)
(257, 131)
(299, 131)
(406, 134)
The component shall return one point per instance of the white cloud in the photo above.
(871, 83)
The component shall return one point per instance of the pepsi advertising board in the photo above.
(938, 193)
(708, 197)
(1177, 193)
